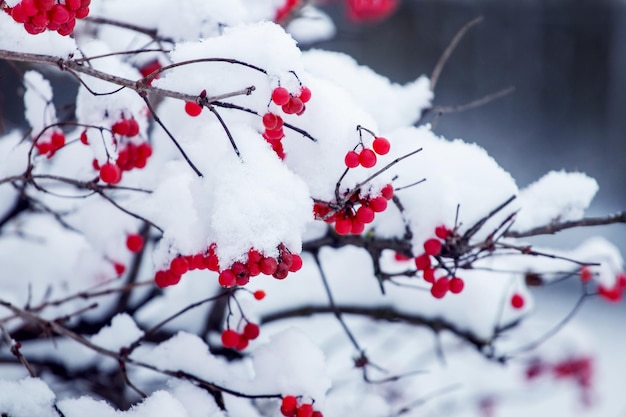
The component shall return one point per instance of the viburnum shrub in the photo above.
(224, 223)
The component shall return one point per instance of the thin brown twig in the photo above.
(434, 77)
(556, 227)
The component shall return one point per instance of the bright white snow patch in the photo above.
(28, 397)
(558, 196)
(13, 37)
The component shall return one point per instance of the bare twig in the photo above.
(556, 227)
(434, 77)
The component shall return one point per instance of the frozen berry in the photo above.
(230, 338)
(432, 247)
(381, 146)
(251, 331)
(110, 173)
(367, 158)
(280, 96)
(134, 242)
(192, 109)
(352, 159)
(259, 294)
(517, 301)
(305, 94)
(456, 285)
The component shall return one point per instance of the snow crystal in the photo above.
(312, 26)
(40, 111)
(558, 196)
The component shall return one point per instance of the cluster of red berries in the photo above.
(358, 212)
(291, 104)
(285, 10)
(367, 157)
(289, 408)
(578, 369)
(432, 247)
(239, 273)
(57, 141)
(39, 15)
(129, 156)
(273, 133)
(232, 339)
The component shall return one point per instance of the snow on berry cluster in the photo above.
(359, 211)
(237, 274)
(613, 293)
(41, 15)
(579, 369)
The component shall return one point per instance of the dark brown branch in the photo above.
(556, 227)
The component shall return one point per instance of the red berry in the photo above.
(212, 263)
(280, 96)
(253, 268)
(259, 294)
(381, 146)
(29, 8)
(197, 262)
(227, 279)
(517, 301)
(133, 128)
(59, 14)
(305, 94)
(387, 192)
(134, 242)
(268, 266)
(243, 342)
(456, 285)
(18, 14)
(282, 270)
(305, 410)
(429, 275)
(365, 214)
(317, 414)
(294, 106)
(179, 265)
(40, 19)
(192, 109)
(432, 247)
(119, 268)
(273, 135)
(34, 29)
(296, 263)
(82, 12)
(367, 158)
(585, 274)
(343, 226)
(251, 331)
(288, 405)
(230, 338)
(351, 159)
(83, 138)
(272, 121)
(58, 140)
(400, 257)
(378, 204)
(110, 173)
(45, 5)
(66, 28)
(72, 4)
(422, 262)
(120, 127)
(440, 287)
(442, 232)
(613, 295)
(162, 279)
(254, 256)
(357, 226)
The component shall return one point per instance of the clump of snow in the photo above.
(311, 26)
(291, 364)
(39, 109)
(558, 196)
(158, 404)
(13, 37)
(121, 332)
(391, 104)
(26, 398)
